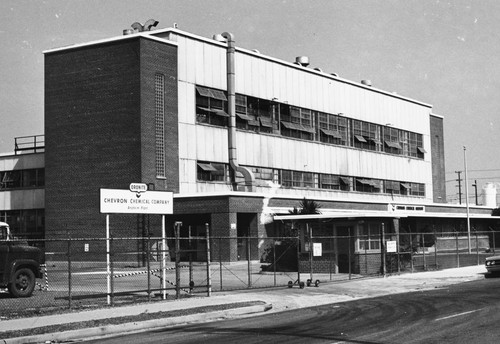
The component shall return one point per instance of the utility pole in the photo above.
(475, 189)
(459, 187)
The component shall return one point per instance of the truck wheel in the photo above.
(23, 283)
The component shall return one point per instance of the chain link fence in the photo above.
(86, 273)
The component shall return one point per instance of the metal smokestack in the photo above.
(231, 102)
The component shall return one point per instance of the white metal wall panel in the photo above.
(190, 59)
(211, 144)
(184, 99)
(276, 152)
(204, 64)
(199, 64)
(22, 162)
(182, 59)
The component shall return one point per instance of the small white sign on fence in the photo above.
(317, 249)
(391, 246)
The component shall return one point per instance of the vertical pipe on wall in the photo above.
(231, 96)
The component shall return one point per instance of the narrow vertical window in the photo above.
(160, 124)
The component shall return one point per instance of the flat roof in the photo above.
(146, 35)
(151, 35)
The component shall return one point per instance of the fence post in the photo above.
(435, 248)
(111, 270)
(477, 246)
(220, 260)
(331, 257)
(249, 268)
(209, 278)
(177, 260)
(494, 244)
(108, 261)
(411, 251)
(398, 252)
(274, 260)
(298, 257)
(163, 258)
(458, 253)
(382, 249)
(349, 245)
(423, 252)
(148, 263)
(69, 271)
(190, 260)
(310, 234)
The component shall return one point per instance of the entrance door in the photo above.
(345, 248)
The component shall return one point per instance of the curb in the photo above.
(108, 330)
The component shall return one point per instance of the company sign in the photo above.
(134, 201)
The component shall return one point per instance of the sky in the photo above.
(443, 53)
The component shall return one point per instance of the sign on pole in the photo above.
(136, 201)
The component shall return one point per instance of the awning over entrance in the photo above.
(389, 214)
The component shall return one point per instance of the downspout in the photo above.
(231, 102)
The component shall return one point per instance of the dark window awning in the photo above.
(345, 180)
(364, 181)
(245, 116)
(406, 185)
(207, 167)
(206, 92)
(360, 138)
(421, 150)
(218, 95)
(376, 141)
(332, 133)
(393, 144)
(266, 122)
(217, 112)
(296, 126)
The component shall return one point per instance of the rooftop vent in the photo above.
(218, 38)
(366, 82)
(138, 27)
(128, 32)
(302, 61)
(334, 74)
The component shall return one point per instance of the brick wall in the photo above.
(98, 130)
(437, 156)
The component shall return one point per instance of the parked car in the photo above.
(493, 264)
(19, 263)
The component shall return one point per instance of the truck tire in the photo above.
(23, 283)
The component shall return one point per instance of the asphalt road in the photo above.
(462, 313)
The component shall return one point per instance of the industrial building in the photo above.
(240, 138)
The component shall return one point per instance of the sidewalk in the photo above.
(270, 300)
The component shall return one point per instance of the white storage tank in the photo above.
(490, 195)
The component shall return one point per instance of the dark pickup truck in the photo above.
(19, 264)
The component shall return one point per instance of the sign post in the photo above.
(137, 200)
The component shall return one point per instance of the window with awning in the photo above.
(299, 127)
(332, 133)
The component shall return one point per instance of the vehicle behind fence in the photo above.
(83, 273)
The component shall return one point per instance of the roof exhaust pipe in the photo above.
(231, 97)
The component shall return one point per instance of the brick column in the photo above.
(226, 248)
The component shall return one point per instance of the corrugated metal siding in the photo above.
(205, 64)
